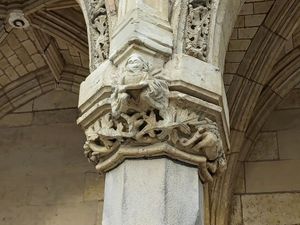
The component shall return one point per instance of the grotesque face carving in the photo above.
(136, 63)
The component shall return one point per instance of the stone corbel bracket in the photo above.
(185, 119)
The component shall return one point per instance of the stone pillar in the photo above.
(157, 191)
(154, 110)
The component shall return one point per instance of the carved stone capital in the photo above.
(149, 97)
(142, 114)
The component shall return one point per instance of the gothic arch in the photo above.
(253, 84)
(226, 16)
(51, 52)
(33, 85)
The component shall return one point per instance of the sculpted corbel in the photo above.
(142, 114)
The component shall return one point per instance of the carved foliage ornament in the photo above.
(99, 31)
(197, 28)
(142, 115)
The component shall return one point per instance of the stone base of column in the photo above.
(153, 192)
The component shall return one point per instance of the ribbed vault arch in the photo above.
(35, 84)
(261, 81)
(257, 64)
(55, 46)
(227, 13)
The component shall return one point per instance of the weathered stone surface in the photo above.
(260, 176)
(240, 182)
(291, 101)
(14, 120)
(42, 174)
(236, 212)
(59, 116)
(265, 147)
(289, 144)
(93, 187)
(56, 100)
(282, 120)
(254, 20)
(148, 102)
(271, 209)
(25, 108)
(146, 111)
(139, 189)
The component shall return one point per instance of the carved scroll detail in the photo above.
(142, 115)
(197, 28)
(99, 31)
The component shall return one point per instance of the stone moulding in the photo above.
(143, 29)
(157, 150)
(143, 118)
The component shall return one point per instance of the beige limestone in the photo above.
(282, 120)
(271, 209)
(60, 116)
(25, 108)
(93, 187)
(130, 106)
(44, 177)
(272, 176)
(291, 101)
(130, 199)
(254, 20)
(154, 97)
(236, 212)
(246, 9)
(265, 147)
(10, 120)
(240, 186)
(262, 7)
(238, 45)
(247, 33)
(57, 99)
(289, 144)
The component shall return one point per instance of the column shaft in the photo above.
(153, 192)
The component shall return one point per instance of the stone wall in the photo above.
(250, 18)
(44, 177)
(268, 189)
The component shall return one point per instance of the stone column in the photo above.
(154, 110)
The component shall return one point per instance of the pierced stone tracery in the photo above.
(100, 31)
(197, 28)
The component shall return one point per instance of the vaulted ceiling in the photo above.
(51, 53)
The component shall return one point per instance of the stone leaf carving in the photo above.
(99, 31)
(197, 28)
(142, 115)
